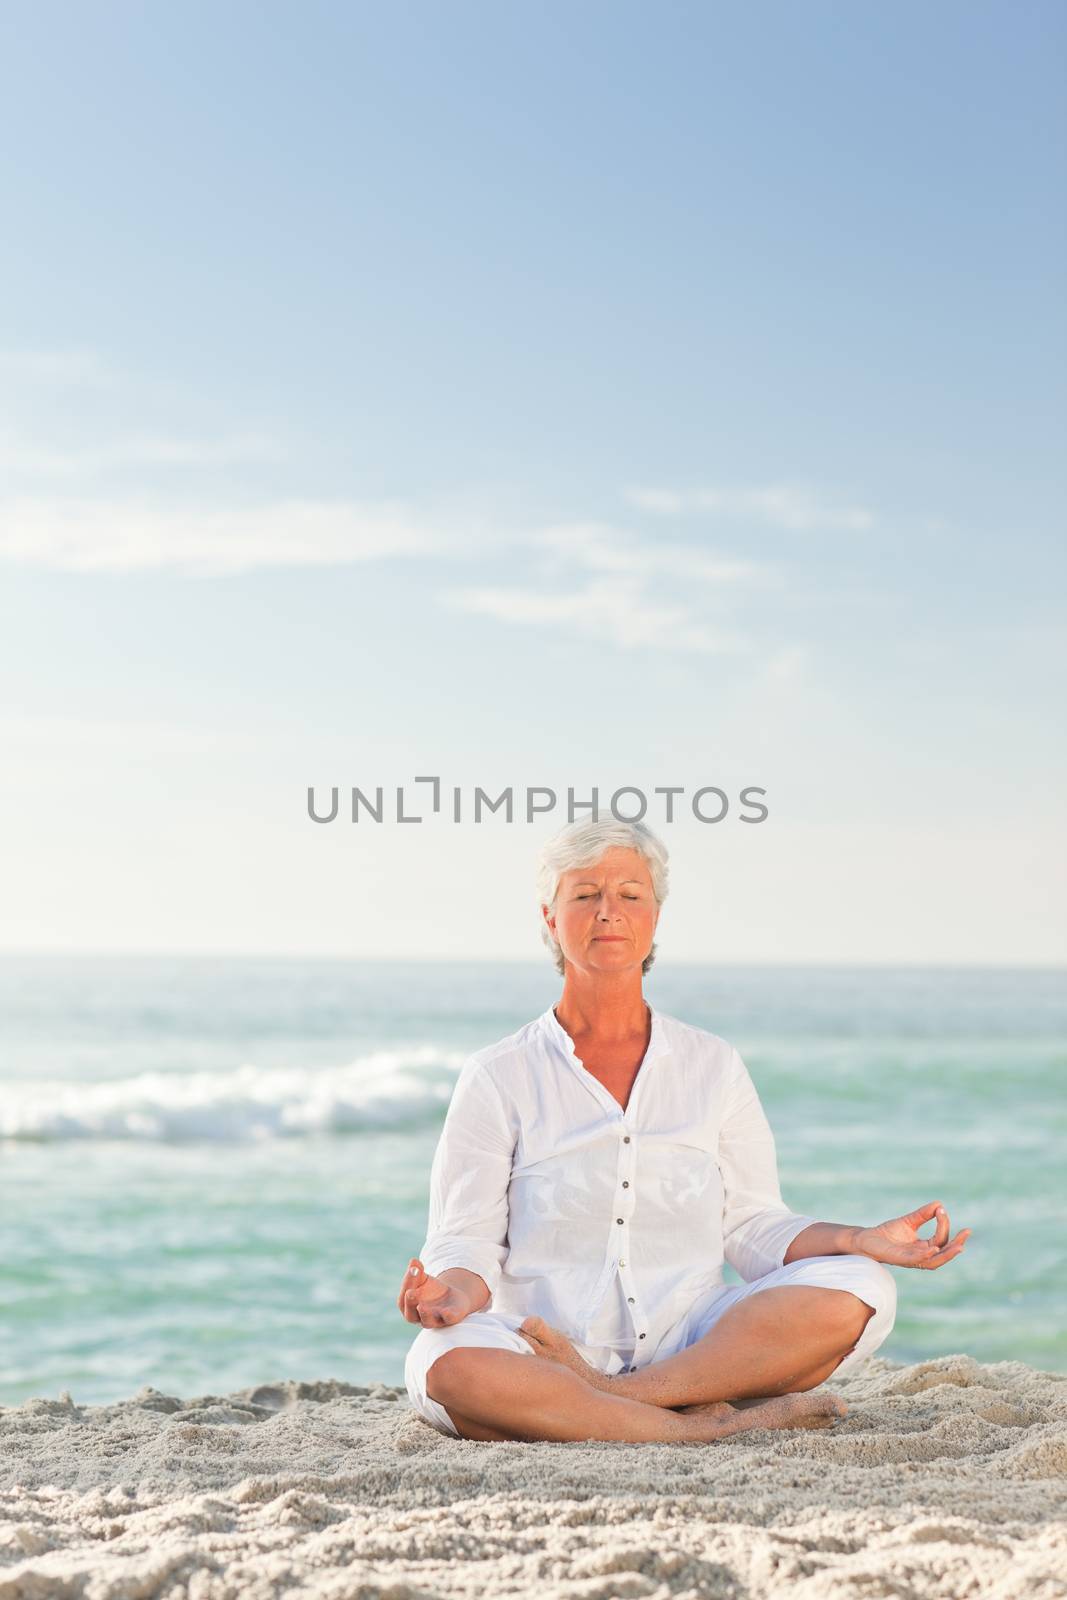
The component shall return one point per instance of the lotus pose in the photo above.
(595, 1170)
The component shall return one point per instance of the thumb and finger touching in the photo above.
(421, 1290)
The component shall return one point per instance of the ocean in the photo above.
(214, 1171)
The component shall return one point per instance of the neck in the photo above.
(608, 1008)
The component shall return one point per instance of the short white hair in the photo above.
(581, 844)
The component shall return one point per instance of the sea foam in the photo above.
(396, 1088)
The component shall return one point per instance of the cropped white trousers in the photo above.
(869, 1280)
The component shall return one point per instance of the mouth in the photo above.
(609, 938)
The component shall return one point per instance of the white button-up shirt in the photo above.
(608, 1223)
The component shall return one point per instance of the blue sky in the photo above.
(582, 395)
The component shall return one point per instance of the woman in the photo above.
(595, 1170)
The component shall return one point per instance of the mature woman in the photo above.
(595, 1170)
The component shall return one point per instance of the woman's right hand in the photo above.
(429, 1300)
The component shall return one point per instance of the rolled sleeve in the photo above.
(468, 1212)
(757, 1226)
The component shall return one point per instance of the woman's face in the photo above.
(605, 917)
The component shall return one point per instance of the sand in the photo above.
(948, 1478)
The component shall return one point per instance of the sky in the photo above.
(570, 396)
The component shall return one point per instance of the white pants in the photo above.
(869, 1280)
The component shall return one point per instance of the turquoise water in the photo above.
(213, 1172)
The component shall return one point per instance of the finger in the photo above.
(411, 1306)
(917, 1250)
(923, 1213)
(423, 1290)
(411, 1275)
(950, 1251)
(917, 1254)
(414, 1278)
(941, 1232)
(936, 1246)
(422, 1307)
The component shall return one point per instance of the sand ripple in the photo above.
(947, 1479)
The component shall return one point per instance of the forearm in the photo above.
(471, 1285)
(823, 1239)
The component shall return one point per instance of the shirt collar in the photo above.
(657, 1042)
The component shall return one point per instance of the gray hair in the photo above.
(581, 844)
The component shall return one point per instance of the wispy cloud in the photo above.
(603, 548)
(137, 450)
(54, 516)
(96, 536)
(792, 506)
(609, 585)
(32, 378)
(615, 609)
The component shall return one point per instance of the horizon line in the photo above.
(350, 958)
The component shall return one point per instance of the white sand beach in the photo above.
(947, 1478)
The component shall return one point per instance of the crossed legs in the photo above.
(767, 1346)
(775, 1342)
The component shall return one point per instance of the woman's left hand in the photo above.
(898, 1244)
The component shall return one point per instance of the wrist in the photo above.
(468, 1287)
(851, 1241)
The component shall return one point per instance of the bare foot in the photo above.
(555, 1346)
(803, 1410)
(780, 1411)
(722, 1409)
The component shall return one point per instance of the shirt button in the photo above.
(626, 1183)
(630, 1299)
(640, 1336)
(619, 1221)
(626, 1138)
(622, 1263)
